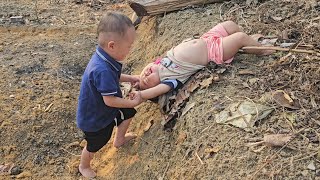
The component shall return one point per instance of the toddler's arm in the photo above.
(155, 91)
(133, 79)
(118, 102)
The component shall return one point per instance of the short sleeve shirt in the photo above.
(101, 78)
(174, 84)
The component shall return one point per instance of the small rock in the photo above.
(52, 161)
(83, 143)
(24, 174)
(318, 155)
(23, 83)
(76, 143)
(16, 170)
(78, 1)
(11, 96)
(311, 166)
(305, 172)
(17, 19)
(182, 136)
(253, 80)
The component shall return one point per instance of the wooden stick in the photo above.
(48, 108)
(199, 158)
(278, 49)
(154, 7)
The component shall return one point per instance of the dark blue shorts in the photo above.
(96, 140)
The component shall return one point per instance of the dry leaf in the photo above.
(192, 86)
(206, 83)
(182, 136)
(6, 169)
(221, 70)
(213, 150)
(187, 108)
(276, 18)
(276, 139)
(258, 150)
(246, 72)
(150, 123)
(76, 143)
(125, 89)
(283, 99)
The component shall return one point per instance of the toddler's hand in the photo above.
(134, 94)
(135, 79)
(136, 97)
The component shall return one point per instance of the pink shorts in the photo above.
(213, 38)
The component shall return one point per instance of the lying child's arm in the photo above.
(155, 91)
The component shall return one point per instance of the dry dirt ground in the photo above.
(42, 61)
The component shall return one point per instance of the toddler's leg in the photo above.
(231, 27)
(84, 167)
(121, 135)
(232, 43)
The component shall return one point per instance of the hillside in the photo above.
(42, 61)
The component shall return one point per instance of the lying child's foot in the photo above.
(87, 172)
(256, 37)
(119, 142)
(259, 38)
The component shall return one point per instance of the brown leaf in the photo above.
(283, 99)
(6, 169)
(276, 139)
(192, 86)
(213, 150)
(246, 72)
(181, 96)
(187, 108)
(206, 83)
(276, 18)
(150, 123)
(182, 136)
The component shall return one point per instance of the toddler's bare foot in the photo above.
(87, 172)
(119, 142)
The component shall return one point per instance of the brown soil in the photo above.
(42, 61)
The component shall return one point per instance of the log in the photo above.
(154, 7)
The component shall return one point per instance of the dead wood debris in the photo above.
(172, 104)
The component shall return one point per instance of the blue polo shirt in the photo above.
(101, 78)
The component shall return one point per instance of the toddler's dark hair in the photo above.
(115, 23)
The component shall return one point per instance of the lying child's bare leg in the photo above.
(122, 136)
(84, 167)
(232, 43)
(231, 27)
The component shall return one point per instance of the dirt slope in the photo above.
(42, 61)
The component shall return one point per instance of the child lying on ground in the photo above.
(220, 45)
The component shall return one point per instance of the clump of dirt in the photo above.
(42, 62)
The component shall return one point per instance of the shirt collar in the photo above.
(106, 57)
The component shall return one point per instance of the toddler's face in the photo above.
(149, 76)
(124, 45)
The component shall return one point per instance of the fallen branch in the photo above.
(153, 7)
(199, 158)
(279, 49)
